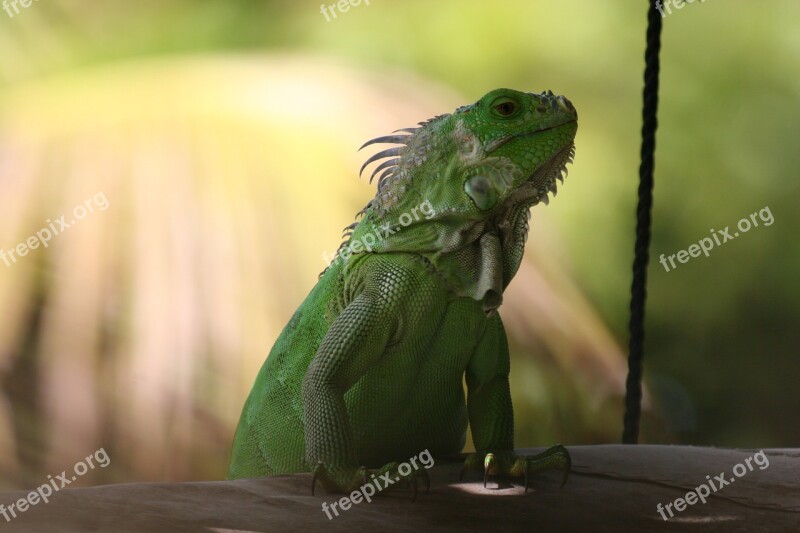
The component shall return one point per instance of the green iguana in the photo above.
(369, 370)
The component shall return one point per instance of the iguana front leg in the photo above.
(354, 342)
(491, 415)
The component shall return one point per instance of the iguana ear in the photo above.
(482, 191)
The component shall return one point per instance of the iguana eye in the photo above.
(504, 107)
(480, 189)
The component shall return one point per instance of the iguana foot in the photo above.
(346, 480)
(338, 480)
(508, 463)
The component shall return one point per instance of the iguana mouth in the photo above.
(497, 143)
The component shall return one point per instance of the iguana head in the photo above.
(458, 188)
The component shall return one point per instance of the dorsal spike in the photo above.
(364, 209)
(385, 177)
(432, 119)
(388, 139)
(350, 228)
(386, 164)
(391, 152)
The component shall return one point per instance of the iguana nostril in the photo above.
(565, 104)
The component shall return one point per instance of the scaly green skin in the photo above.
(369, 369)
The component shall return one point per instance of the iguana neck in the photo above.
(474, 259)
(486, 259)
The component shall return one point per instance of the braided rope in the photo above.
(633, 385)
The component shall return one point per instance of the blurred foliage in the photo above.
(224, 136)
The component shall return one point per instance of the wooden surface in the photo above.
(612, 488)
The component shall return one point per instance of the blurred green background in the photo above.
(223, 135)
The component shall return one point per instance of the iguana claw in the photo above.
(411, 479)
(507, 463)
(424, 475)
(314, 473)
(427, 480)
(488, 467)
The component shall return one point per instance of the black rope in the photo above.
(633, 386)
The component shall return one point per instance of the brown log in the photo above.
(611, 488)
